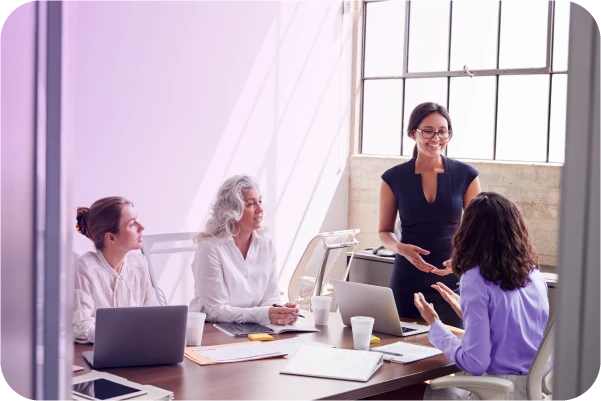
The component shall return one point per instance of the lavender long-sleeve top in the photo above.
(503, 329)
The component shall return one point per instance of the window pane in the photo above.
(523, 34)
(384, 38)
(474, 35)
(559, 97)
(382, 102)
(472, 109)
(429, 36)
(420, 90)
(522, 118)
(561, 35)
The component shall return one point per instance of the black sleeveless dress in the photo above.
(431, 227)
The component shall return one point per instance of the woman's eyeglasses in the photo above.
(429, 134)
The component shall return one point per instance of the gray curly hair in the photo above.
(227, 208)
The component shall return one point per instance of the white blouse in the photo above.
(229, 288)
(97, 285)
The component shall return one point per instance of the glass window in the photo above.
(474, 26)
(523, 34)
(514, 106)
(561, 33)
(472, 110)
(429, 36)
(417, 91)
(384, 38)
(557, 126)
(523, 117)
(382, 116)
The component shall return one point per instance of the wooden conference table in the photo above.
(261, 379)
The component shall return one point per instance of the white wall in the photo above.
(166, 100)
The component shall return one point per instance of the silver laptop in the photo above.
(356, 299)
(139, 336)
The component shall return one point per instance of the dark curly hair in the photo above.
(493, 235)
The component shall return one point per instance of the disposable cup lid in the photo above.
(362, 320)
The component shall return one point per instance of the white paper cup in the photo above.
(194, 328)
(321, 309)
(362, 327)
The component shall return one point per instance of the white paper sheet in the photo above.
(409, 352)
(291, 345)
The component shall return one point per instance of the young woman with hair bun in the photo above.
(110, 276)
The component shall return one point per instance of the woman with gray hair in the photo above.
(235, 262)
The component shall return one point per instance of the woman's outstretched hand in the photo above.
(448, 268)
(413, 254)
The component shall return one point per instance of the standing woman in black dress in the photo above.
(429, 192)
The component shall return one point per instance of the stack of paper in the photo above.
(408, 352)
(334, 363)
(247, 351)
(152, 392)
(243, 352)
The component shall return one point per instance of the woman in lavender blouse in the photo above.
(503, 301)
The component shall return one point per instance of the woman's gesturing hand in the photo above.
(425, 309)
(413, 254)
(451, 297)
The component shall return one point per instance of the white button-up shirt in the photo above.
(229, 288)
(97, 285)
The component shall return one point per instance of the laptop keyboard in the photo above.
(407, 330)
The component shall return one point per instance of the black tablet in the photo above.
(104, 389)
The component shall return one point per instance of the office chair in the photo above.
(539, 386)
(170, 259)
(316, 264)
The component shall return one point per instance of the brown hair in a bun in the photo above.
(100, 218)
(82, 220)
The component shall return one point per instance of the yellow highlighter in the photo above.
(260, 337)
(374, 340)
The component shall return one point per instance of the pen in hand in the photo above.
(386, 352)
(294, 313)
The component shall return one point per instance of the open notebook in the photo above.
(334, 363)
(298, 326)
(244, 329)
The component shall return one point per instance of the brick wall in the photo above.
(535, 188)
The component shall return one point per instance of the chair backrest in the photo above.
(537, 388)
(316, 268)
(170, 259)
